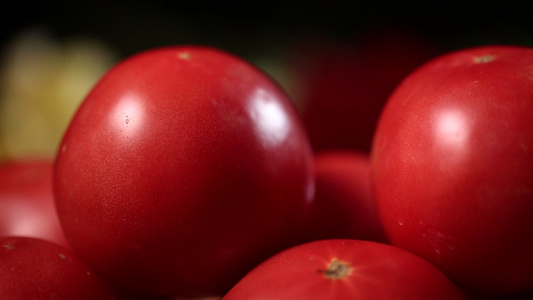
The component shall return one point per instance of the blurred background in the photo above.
(338, 60)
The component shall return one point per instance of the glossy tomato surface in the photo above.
(343, 269)
(27, 202)
(32, 268)
(182, 169)
(344, 205)
(453, 166)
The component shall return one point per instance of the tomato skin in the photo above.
(452, 167)
(344, 205)
(379, 271)
(27, 201)
(183, 168)
(32, 268)
(342, 87)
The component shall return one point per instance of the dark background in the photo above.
(248, 27)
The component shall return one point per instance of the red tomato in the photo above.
(196, 298)
(343, 87)
(183, 169)
(121, 294)
(453, 166)
(128, 294)
(344, 205)
(32, 268)
(27, 201)
(344, 269)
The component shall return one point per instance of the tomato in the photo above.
(27, 201)
(344, 205)
(32, 268)
(122, 294)
(452, 165)
(341, 88)
(196, 298)
(183, 168)
(344, 269)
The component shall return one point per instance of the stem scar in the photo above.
(336, 270)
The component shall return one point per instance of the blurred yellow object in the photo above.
(42, 82)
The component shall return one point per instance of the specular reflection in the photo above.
(127, 116)
(270, 118)
(452, 130)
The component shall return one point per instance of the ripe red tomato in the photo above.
(183, 168)
(344, 205)
(343, 87)
(27, 201)
(32, 268)
(453, 166)
(126, 294)
(121, 293)
(344, 269)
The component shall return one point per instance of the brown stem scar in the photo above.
(336, 270)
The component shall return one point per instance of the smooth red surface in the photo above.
(378, 271)
(183, 168)
(343, 87)
(344, 205)
(27, 202)
(453, 166)
(37, 269)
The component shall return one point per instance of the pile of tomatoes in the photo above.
(187, 172)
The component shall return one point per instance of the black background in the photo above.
(246, 27)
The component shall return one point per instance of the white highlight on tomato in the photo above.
(128, 116)
(34, 223)
(271, 120)
(452, 132)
